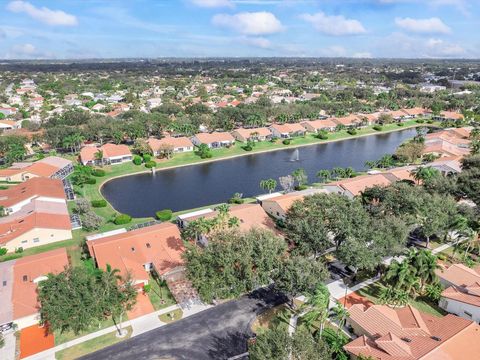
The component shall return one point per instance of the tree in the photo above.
(91, 221)
(425, 173)
(425, 265)
(204, 151)
(286, 182)
(411, 151)
(401, 276)
(324, 175)
(141, 147)
(317, 308)
(300, 176)
(99, 157)
(385, 118)
(268, 185)
(165, 151)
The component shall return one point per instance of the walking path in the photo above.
(139, 326)
(8, 350)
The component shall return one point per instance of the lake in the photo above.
(198, 185)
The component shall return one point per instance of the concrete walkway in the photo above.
(139, 326)
(8, 351)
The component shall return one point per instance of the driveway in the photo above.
(216, 333)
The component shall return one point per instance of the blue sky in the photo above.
(201, 28)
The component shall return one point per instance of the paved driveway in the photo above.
(216, 333)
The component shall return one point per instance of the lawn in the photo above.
(159, 295)
(61, 338)
(372, 292)
(171, 316)
(90, 346)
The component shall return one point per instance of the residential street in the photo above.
(218, 333)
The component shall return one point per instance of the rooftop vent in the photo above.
(436, 338)
(408, 340)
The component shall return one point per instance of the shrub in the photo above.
(150, 164)
(11, 257)
(236, 199)
(400, 124)
(377, 128)
(247, 147)
(91, 221)
(122, 219)
(429, 121)
(322, 135)
(352, 131)
(82, 206)
(3, 187)
(3, 251)
(91, 181)
(19, 250)
(286, 142)
(164, 215)
(137, 160)
(98, 172)
(99, 203)
(147, 158)
(419, 121)
(301, 187)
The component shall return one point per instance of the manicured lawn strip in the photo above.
(61, 338)
(92, 345)
(177, 315)
(371, 292)
(155, 298)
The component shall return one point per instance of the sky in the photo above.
(73, 29)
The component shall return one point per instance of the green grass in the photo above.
(372, 292)
(61, 338)
(167, 318)
(92, 345)
(155, 292)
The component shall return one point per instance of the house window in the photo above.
(25, 278)
(24, 241)
(4, 283)
(468, 314)
(36, 240)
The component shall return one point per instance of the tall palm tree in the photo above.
(324, 175)
(99, 157)
(425, 264)
(401, 275)
(425, 173)
(317, 304)
(341, 314)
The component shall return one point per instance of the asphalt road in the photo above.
(217, 333)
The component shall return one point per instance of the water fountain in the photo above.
(295, 156)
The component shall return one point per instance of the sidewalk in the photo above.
(139, 326)
(8, 351)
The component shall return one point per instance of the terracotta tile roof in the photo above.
(285, 201)
(12, 227)
(320, 124)
(397, 113)
(113, 150)
(31, 188)
(406, 333)
(41, 169)
(347, 120)
(371, 117)
(159, 244)
(415, 111)
(459, 275)
(175, 142)
(451, 115)
(87, 153)
(288, 128)
(402, 173)
(246, 133)
(24, 297)
(44, 168)
(468, 295)
(358, 184)
(208, 138)
(56, 161)
(249, 215)
(8, 122)
(10, 172)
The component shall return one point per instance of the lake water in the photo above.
(211, 183)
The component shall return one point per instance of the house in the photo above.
(355, 186)
(315, 126)
(53, 167)
(416, 112)
(462, 291)
(154, 102)
(36, 102)
(98, 107)
(370, 119)
(214, 140)
(277, 205)
(179, 144)
(255, 134)
(386, 333)
(444, 148)
(249, 216)
(448, 116)
(138, 252)
(8, 125)
(349, 121)
(44, 189)
(111, 154)
(7, 111)
(398, 115)
(285, 131)
(20, 279)
(447, 165)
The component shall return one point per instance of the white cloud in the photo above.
(212, 3)
(260, 42)
(43, 14)
(362, 55)
(336, 25)
(249, 23)
(441, 48)
(428, 26)
(27, 51)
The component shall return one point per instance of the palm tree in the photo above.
(99, 157)
(341, 314)
(425, 173)
(317, 304)
(401, 275)
(268, 185)
(425, 264)
(324, 175)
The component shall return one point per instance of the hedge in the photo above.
(137, 160)
(352, 131)
(377, 127)
(91, 181)
(3, 251)
(164, 215)
(98, 172)
(99, 203)
(147, 158)
(286, 142)
(122, 219)
(150, 164)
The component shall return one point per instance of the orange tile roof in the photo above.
(288, 128)
(246, 133)
(468, 295)
(175, 142)
(41, 169)
(415, 111)
(321, 124)
(358, 184)
(406, 333)
(397, 113)
(114, 150)
(451, 115)
(158, 244)
(347, 120)
(445, 148)
(24, 296)
(208, 138)
(285, 201)
(14, 227)
(402, 173)
(459, 275)
(87, 153)
(32, 188)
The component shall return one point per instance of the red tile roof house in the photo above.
(249, 216)
(408, 334)
(350, 121)
(315, 126)
(285, 131)
(370, 118)
(255, 134)
(398, 115)
(112, 154)
(50, 167)
(214, 140)
(8, 125)
(136, 253)
(462, 291)
(416, 112)
(355, 186)
(8, 111)
(448, 115)
(20, 278)
(179, 144)
(44, 189)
